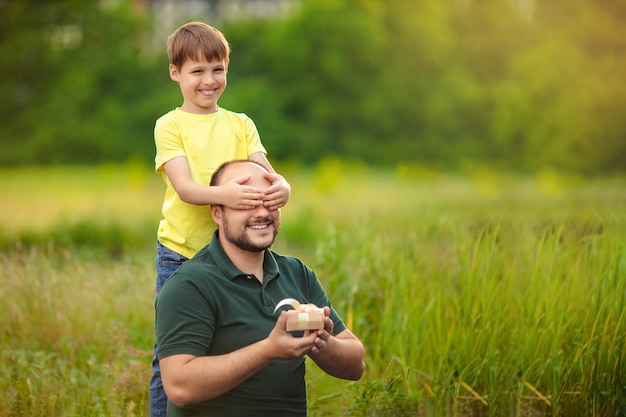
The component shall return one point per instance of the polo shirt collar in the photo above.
(223, 262)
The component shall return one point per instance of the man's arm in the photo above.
(189, 379)
(341, 356)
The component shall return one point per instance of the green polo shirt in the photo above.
(210, 307)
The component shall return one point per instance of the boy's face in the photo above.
(201, 83)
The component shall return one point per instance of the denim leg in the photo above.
(167, 261)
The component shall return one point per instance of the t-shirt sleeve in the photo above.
(168, 142)
(320, 299)
(182, 327)
(253, 139)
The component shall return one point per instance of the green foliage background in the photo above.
(444, 84)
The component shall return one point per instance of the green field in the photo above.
(482, 294)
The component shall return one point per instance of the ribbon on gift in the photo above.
(296, 305)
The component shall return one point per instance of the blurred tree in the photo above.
(561, 102)
(319, 70)
(420, 85)
(77, 86)
(435, 83)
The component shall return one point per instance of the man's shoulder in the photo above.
(202, 258)
(207, 257)
(191, 273)
(288, 261)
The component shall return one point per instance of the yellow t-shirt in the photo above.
(207, 141)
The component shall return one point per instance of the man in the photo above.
(223, 351)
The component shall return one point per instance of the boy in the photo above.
(192, 141)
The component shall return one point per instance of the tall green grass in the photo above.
(476, 295)
(75, 334)
(495, 317)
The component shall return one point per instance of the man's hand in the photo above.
(322, 335)
(284, 345)
(341, 355)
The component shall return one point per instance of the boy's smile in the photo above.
(201, 84)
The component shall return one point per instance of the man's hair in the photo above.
(216, 178)
(195, 40)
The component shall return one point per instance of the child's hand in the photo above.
(277, 194)
(237, 195)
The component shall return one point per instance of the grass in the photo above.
(475, 295)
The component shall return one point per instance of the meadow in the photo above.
(482, 294)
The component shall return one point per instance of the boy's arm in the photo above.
(260, 158)
(234, 194)
(276, 195)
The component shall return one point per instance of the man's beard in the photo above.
(243, 241)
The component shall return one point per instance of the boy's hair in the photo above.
(195, 40)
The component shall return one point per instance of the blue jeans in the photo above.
(167, 261)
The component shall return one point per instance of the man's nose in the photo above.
(261, 211)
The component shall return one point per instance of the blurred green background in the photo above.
(519, 85)
(498, 291)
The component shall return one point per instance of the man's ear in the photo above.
(216, 213)
(173, 72)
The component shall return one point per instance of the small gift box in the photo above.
(303, 316)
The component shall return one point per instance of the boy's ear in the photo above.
(173, 72)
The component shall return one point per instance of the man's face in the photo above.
(252, 230)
